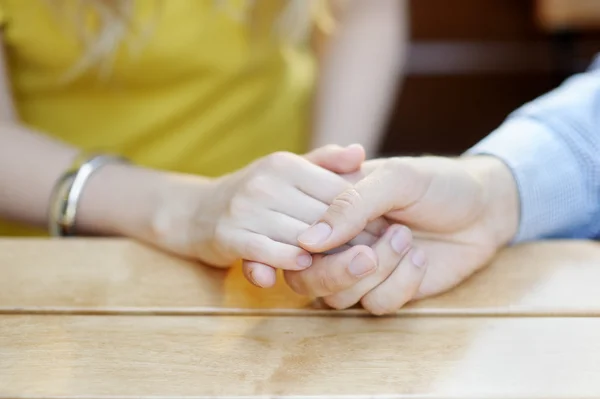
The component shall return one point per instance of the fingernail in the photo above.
(253, 279)
(418, 258)
(400, 240)
(304, 261)
(316, 234)
(361, 265)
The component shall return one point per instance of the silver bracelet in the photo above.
(68, 191)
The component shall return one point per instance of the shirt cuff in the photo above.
(549, 177)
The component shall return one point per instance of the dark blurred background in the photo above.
(471, 62)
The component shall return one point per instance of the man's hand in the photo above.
(396, 270)
(459, 210)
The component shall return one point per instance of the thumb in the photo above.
(393, 186)
(338, 159)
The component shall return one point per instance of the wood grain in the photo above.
(119, 276)
(124, 356)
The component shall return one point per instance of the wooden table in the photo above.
(113, 319)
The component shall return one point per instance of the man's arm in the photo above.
(545, 160)
(552, 147)
(358, 79)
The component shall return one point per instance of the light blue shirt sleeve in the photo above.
(552, 147)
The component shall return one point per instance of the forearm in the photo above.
(359, 74)
(117, 199)
(30, 165)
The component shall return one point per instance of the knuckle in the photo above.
(329, 282)
(260, 186)
(350, 198)
(239, 206)
(335, 302)
(377, 305)
(255, 248)
(294, 281)
(324, 284)
(222, 238)
(347, 206)
(278, 160)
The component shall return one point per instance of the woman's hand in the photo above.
(257, 213)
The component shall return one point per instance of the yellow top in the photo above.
(206, 94)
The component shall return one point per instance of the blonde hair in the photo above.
(115, 24)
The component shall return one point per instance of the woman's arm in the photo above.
(359, 72)
(118, 200)
(30, 163)
(253, 214)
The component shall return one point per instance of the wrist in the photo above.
(145, 204)
(174, 222)
(118, 201)
(501, 197)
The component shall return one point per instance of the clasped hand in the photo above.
(380, 233)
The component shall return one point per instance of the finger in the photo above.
(287, 223)
(376, 227)
(390, 250)
(333, 273)
(314, 180)
(280, 227)
(285, 229)
(392, 186)
(338, 159)
(297, 205)
(400, 287)
(349, 161)
(309, 179)
(262, 249)
(259, 274)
